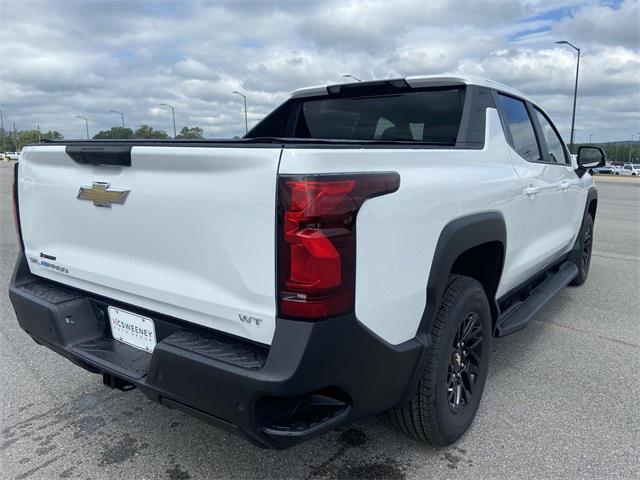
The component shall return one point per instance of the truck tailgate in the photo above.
(194, 238)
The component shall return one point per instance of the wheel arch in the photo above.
(474, 246)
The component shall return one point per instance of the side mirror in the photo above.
(591, 157)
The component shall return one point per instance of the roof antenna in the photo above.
(347, 75)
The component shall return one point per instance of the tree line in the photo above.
(14, 140)
(145, 131)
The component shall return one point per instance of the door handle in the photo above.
(531, 190)
(564, 186)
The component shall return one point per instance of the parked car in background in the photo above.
(629, 170)
(12, 155)
(603, 170)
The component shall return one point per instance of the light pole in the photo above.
(173, 112)
(2, 129)
(590, 135)
(121, 115)
(630, 148)
(348, 75)
(575, 90)
(86, 124)
(244, 97)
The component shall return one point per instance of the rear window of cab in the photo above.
(431, 116)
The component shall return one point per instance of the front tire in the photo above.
(584, 246)
(449, 391)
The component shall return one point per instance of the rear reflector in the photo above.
(16, 211)
(317, 240)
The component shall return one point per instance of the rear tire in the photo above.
(584, 246)
(455, 370)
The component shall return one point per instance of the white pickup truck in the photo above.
(353, 254)
(629, 170)
(10, 155)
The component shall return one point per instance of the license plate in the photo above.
(132, 329)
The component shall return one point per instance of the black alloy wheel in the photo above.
(587, 244)
(582, 251)
(463, 372)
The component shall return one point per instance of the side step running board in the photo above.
(519, 315)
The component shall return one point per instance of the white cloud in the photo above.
(601, 25)
(87, 57)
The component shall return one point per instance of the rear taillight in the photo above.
(317, 240)
(16, 211)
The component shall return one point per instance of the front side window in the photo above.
(555, 148)
(521, 129)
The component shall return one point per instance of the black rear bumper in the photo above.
(314, 376)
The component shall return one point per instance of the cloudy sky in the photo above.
(64, 58)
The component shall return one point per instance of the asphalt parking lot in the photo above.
(561, 400)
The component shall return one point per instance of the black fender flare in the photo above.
(457, 237)
(575, 254)
(592, 194)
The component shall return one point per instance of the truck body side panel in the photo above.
(397, 233)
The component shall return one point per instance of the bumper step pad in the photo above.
(115, 356)
(225, 349)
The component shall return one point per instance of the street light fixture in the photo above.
(86, 124)
(244, 97)
(173, 112)
(119, 113)
(348, 75)
(575, 90)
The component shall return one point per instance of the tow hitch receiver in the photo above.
(112, 381)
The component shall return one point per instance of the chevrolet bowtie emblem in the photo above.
(101, 195)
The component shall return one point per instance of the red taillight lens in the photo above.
(16, 212)
(317, 240)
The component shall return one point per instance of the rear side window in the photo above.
(519, 124)
(274, 125)
(426, 116)
(555, 148)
